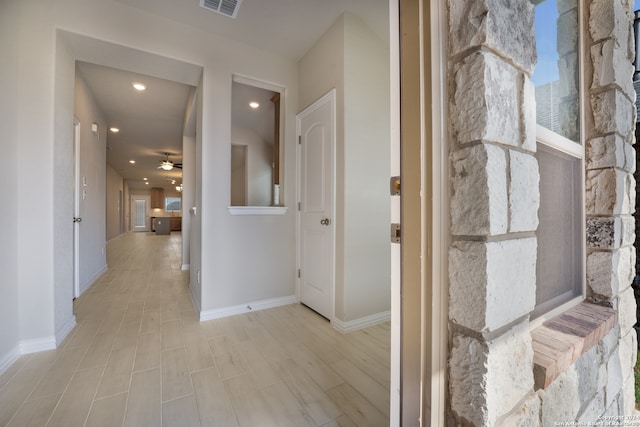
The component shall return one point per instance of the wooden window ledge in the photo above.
(560, 341)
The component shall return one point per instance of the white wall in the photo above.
(114, 206)
(350, 58)
(63, 210)
(241, 259)
(9, 77)
(188, 196)
(35, 127)
(239, 175)
(195, 244)
(258, 165)
(126, 208)
(367, 253)
(93, 176)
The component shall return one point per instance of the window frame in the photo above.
(574, 149)
(172, 198)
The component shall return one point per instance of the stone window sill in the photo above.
(560, 341)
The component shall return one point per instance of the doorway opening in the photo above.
(140, 219)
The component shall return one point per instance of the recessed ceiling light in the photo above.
(114, 130)
(254, 104)
(133, 162)
(144, 179)
(146, 183)
(139, 86)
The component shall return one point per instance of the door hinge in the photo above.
(299, 273)
(395, 233)
(394, 186)
(299, 139)
(299, 206)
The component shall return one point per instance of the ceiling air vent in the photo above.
(224, 7)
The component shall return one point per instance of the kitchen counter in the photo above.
(175, 223)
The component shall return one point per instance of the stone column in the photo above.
(636, 174)
(610, 186)
(569, 105)
(636, 281)
(494, 204)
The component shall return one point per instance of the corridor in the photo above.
(139, 357)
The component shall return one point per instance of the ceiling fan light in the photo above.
(167, 166)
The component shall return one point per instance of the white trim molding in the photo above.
(37, 344)
(257, 210)
(65, 330)
(9, 359)
(218, 313)
(185, 267)
(93, 279)
(361, 323)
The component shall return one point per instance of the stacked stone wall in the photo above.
(494, 204)
(492, 256)
(610, 203)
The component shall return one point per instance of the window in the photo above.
(255, 143)
(560, 154)
(173, 204)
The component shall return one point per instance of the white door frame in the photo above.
(331, 98)
(419, 328)
(76, 207)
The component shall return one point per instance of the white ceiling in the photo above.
(285, 27)
(151, 122)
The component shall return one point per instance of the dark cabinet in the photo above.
(157, 198)
(176, 223)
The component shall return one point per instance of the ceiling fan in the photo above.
(167, 164)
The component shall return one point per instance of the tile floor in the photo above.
(140, 357)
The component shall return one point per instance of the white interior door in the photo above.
(316, 129)
(140, 220)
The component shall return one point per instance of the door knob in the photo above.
(77, 219)
(325, 221)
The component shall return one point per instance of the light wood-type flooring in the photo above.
(140, 357)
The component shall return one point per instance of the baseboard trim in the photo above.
(118, 236)
(93, 279)
(37, 344)
(185, 267)
(9, 359)
(219, 313)
(361, 323)
(66, 329)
